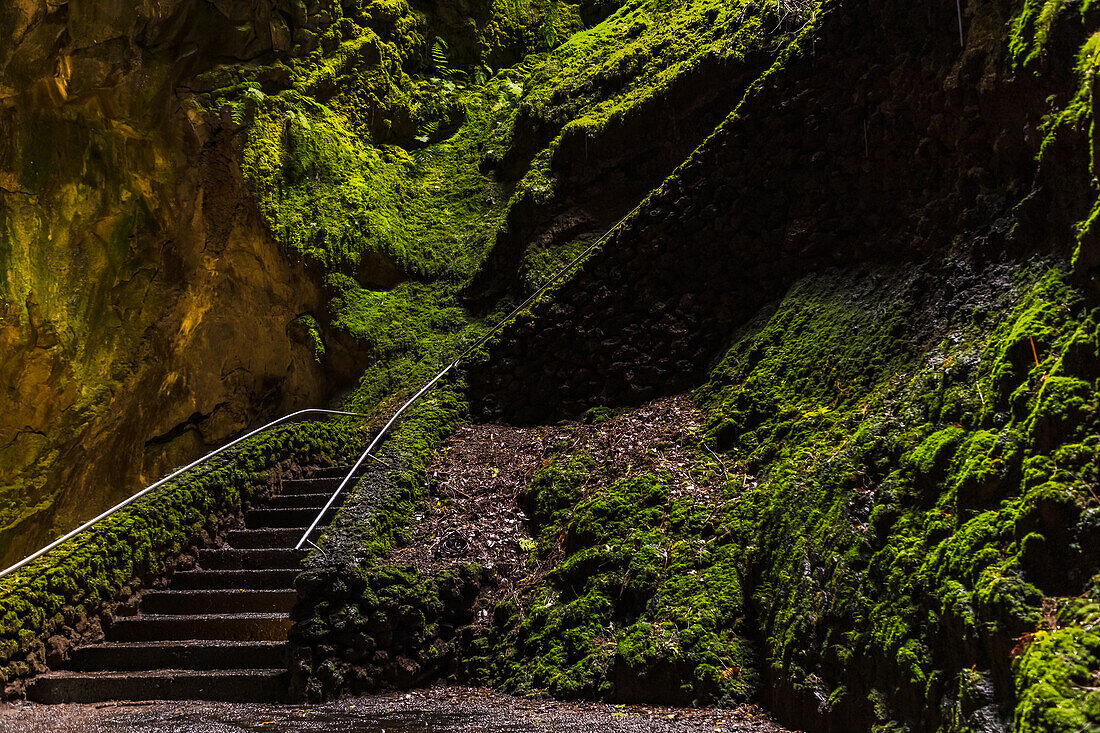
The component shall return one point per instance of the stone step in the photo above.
(203, 654)
(263, 518)
(253, 539)
(270, 558)
(337, 472)
(227, 626)
(234, 579)
(312, 485)
(219, 600)
(296, 501)
(231, 685)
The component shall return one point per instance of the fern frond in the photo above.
(439, 56)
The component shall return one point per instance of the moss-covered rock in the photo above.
(920, 502)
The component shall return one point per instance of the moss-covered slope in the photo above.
(913, 536)
(922, 513)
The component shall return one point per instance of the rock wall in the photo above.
(876, 139)
(145, 313)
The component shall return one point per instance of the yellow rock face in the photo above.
(144, 309)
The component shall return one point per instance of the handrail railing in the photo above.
(465, 353)
(331, 499)
(166, 479)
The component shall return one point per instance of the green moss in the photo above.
(379, 507)
(347, 595)
(1031, 29)
(930, 460)
(365, 158)
(843, 356)
(631, 585)
(1073, 116)
(363, 146)
(879, 526)
(589, 86)
(310, 331)
(883, 504)
(1057, 676)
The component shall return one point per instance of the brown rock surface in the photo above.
(144, 310)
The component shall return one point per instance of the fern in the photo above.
(427, 130)
(513, 89)
(254, 94)
(439, 57)
(423, 158)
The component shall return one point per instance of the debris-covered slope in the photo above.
(889, 516)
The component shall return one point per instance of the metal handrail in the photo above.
(466, 352)
(167, 478)
(366, 453)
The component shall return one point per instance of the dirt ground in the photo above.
(476, 478)
(436, 710)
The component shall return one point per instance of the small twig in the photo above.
(387, 465)
(722, 465)
(1094, 496)
(718, 508)
(1035, 354)
(460, 493)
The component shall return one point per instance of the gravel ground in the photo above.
(482, 469)
(438, 710)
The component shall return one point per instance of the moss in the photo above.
(632, 587)
(346, 596)
(1031, 28)
(897, 501)
(366, 159)
(379, 507)
(1056, 675)
(1072, 117)
(879, 526)
(587, 88)
(840, 365)
(310, 331)
(333, 198)
(372, 142)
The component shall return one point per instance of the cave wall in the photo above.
(145, 313)
(876, 138)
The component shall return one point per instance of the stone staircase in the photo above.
(219, 631)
